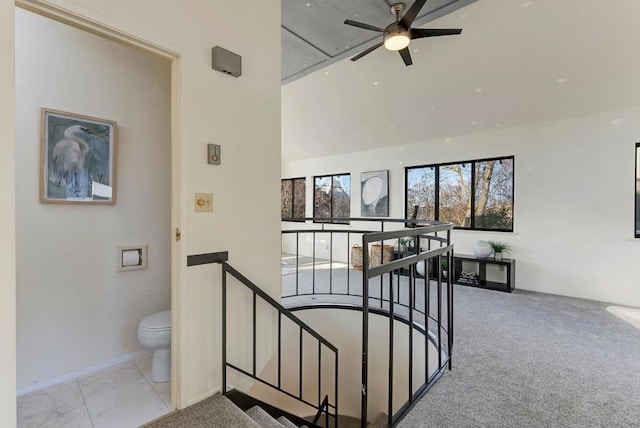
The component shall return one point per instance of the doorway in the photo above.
(77, 316)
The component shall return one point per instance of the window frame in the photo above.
(472, 162)
(332, 176)
(293, 196)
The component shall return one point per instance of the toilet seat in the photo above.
(158, 322)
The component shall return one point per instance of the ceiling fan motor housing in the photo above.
(396, 30)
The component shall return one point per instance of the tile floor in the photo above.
(119, 396)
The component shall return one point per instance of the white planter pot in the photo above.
(482, 249)
(420, 268)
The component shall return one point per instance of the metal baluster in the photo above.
(330, 262)
(279, 349)
(335, 387)
(365, 331)
(300, 367)
(319, 371)
(297, 261)
(427, 287)
(439, 312)
(313, 278)
(348, 271)
(412, 284)
(391, 351)
(224, 328)
(450, 300)
(254, 333)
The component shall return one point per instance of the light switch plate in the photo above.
(203, 202)
(213, 154)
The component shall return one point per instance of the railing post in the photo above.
(300, 367)
(297, 260)
(365, 330)
(224, 328)
(254, 333)
(411, 303)
(439, 312)
(320, 373)
(391, 349)
(450, 300)
(348, 260)
(427, 303)
(330, 262)
(335, 387)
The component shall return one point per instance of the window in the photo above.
(332, 197)
(475, 194)
(292, 198)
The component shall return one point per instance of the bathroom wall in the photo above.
(74, 310)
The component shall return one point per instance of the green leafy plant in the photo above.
(500, 247)
(404, 242)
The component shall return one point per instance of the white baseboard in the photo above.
(69, 376)
(203, 397)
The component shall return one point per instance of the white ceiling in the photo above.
(516, 62)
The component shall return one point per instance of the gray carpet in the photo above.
(214, 412)
(535, 360)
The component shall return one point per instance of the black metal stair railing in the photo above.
(323, 406)
(391, 286)
(393, 269)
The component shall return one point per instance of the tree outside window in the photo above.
(332, 197)
(293, 198)
(475, 194)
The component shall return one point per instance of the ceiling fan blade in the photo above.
(363, 25)
(365, 52)
(406, 56)
(411, 14)
(419, 33)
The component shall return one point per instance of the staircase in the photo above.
(219, 411)
(237, 410)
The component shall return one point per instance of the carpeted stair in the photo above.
(219, 411)
(238, 410)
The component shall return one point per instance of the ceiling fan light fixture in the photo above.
(396, 41)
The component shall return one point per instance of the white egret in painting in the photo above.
(68, 159)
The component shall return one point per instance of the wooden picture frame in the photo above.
(77, 159)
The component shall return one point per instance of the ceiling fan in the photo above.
(397, 35)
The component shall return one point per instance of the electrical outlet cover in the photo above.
(203, 202)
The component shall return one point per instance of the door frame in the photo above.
(178, 157)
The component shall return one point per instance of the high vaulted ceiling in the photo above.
(516, 62)
(314, 34)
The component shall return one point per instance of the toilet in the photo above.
(154, 333)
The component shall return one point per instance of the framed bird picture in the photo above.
(78, 159)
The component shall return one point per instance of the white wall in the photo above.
(573, 213)
(7, 219)
(243, 115)
(74, 309)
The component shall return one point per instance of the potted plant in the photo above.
(499, 248)
(404, 243)
(445, 269)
